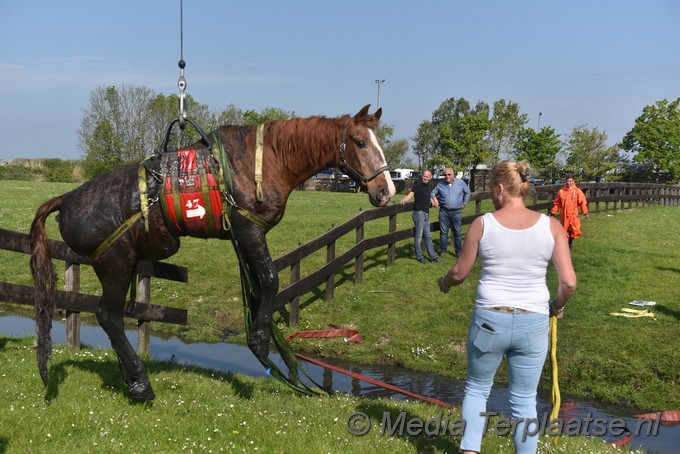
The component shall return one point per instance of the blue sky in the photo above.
(592, 62)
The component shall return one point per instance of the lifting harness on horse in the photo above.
(196, 195)
(196, 200)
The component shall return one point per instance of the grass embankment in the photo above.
(85, 409)
(404, 320)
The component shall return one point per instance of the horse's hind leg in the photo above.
(110, 312)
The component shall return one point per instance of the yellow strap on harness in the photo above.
(144, 214)
(259, 147)
(116, 234)
(255, 219)
(143, 196)
(633, 313)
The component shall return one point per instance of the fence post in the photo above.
(655, 197)
(330, 280)
(391, 248)
(623, 192)
(295, 303)
(606, 202)
(478, 206)
(359, 261)
(72, 284)
(617, 198)
(143, 326)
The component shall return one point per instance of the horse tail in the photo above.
(45, 280)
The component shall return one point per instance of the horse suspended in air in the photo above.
(232, 184)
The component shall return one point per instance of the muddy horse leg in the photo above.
(253, 245)
(110, 313)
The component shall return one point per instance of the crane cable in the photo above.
(181, 83)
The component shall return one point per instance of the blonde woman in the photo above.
(512, 304)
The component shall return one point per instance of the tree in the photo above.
(231, 115)
(395, 154)
(251, 117)
(126, 124)
(655, 140)
(504, 129)
(469, 143)
(395, 151)
(424, 143)
(540, 149)
(455, 136)
(165, 108)
(589, 156)
(115, 123)
(103, 150)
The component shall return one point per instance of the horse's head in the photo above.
(362, 157)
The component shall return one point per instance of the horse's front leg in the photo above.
(253, 245)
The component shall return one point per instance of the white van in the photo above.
(401, 174)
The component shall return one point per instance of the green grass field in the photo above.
(85, 409)
(404, 320)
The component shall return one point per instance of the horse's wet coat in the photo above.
(294, 150)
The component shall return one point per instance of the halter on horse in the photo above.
(291, 152)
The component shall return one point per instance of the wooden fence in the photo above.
(601, 197)
(74, 302)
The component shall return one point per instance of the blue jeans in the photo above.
(421, 219)
(450, 220)
(523, 339)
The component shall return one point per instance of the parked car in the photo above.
(327, 174)
(341, 182)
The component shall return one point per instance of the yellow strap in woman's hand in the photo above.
(556, 400)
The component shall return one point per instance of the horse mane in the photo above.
(299, 140)
(316, 134)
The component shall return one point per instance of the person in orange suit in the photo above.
(569, 199)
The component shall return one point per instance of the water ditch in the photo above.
(236, 358)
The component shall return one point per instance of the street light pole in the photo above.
(378, 82)
(539, 122)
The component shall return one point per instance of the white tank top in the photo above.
(514, 264)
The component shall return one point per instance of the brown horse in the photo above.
(291, 152)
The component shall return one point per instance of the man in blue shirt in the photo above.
(450, 195)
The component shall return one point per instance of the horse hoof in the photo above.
(259, 346)
(142, 391)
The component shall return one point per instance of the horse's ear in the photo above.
(378, 113)
(363, 112)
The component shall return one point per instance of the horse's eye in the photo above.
(361, 144)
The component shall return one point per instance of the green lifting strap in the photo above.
(248, 288)
(226, 183)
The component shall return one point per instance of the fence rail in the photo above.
(74, 302)
(601, 196)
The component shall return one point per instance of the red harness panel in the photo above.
(191, 195)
